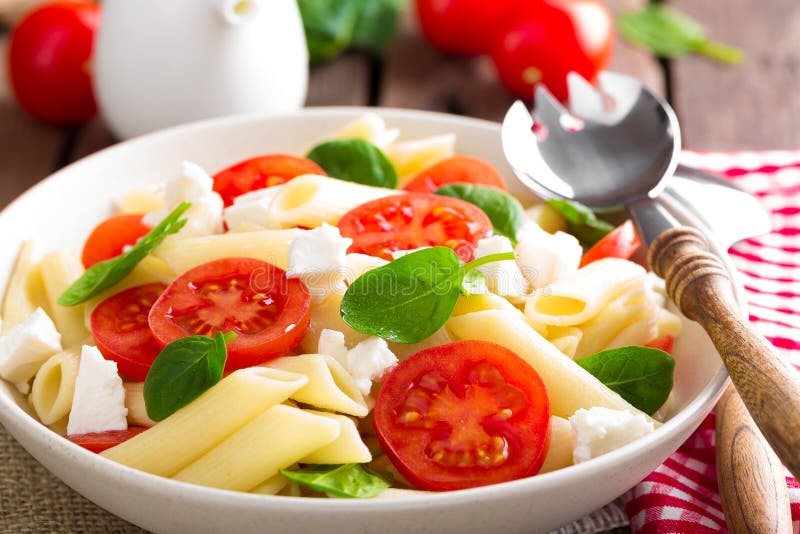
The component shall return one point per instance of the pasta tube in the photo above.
(272, 246)
(134, 402)
(25, 291)
(569, 386)
(348, 448)
(578, 297)
(196, 428)
(274, 440)
(54, 386)
(559, 452)
(59, 271)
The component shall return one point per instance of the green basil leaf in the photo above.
(355, 160)
(670, 33)
(103, 275)
(328, 25)
(641, 375)
(581, 221)
(410, 298)
(376, 26)
(348, 480)
(504, 211)
(183, 371)
(474, 282)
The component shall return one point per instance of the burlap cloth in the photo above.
(34, 501)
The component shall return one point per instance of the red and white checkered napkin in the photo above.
(682, 495)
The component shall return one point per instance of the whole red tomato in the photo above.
(546, 39)
(463, 27)
(49, 59)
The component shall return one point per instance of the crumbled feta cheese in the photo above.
(318, 258)
(400, 253)
(365, 362)
(252, 209)
(600, 430)
(26, 347)
(502, 277)
(99, 401)
(543, 258)
(195, 186)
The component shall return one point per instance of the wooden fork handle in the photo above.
(699, 285)
(752, 483)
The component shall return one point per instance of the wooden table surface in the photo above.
(755, 105)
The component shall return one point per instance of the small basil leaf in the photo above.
(581, 221)
(503, 210)
(376, 26)
(184, 370)
(407, 300)
(641, 375)
(474, 283)
(410, 298)
(355, 160)
(328, 25)
(103, 275)
(348, 480)
(670, 33)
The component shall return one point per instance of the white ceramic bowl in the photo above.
(60, 211)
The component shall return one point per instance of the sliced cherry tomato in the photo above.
(49, 61)
(542, 41)
(462, 415)
(111, 236)
(462, 26)
(122, 333)
(456, 170)
(100, 441)
(268, 312)
(404, 222)
(621, 242)
(665, 343)
(261, 172)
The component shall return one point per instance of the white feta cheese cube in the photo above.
(194, 186)
(26, 347)
(318, 257)
(99, 401)
(368, 360)
(502, 277)
(600, 430)
(331, 342)
(544, 258)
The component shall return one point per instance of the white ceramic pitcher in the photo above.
(164, 62)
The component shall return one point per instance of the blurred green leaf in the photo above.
(669, 33)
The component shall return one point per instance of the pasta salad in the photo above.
(374, 318)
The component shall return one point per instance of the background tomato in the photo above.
(456, 170)
(544, 40)
(49, 61)
(110, 237)
(268, 312)
(260, 172)
(462, 415)
(464, 27)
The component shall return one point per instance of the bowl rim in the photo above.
(17, 420)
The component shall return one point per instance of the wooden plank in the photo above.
(754, 105)
(343, 81)
(91, 137)
(417, 76)
(29, 149)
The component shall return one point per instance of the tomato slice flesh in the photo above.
(268, 312)
(665, 343)
(621, 242)
(462, 415)
(121, 330)
(111, 236)
(456, 170)
(415, 220)
(100, 441)
(260, 172)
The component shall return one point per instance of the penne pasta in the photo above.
(578, 297)
(54, 386)
(274, 440)
(59, 271)
(271, 486)
(562, 376)
(196, 428)
(25, 291)
(329, 386)
(546, 218)
(134, 402)
(271, 246)
(559, 452)
(141, 201)
(565, 338)
(311, 200)
(369, 127)
(348, 448)
(412, 157)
